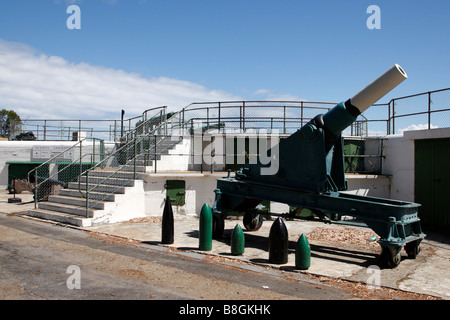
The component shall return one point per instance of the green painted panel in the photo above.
(442, 182)
(19, 170)
(176, 190)
(432, 181)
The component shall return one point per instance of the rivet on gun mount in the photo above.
(311, 175)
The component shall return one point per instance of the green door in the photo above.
(176, 190)
(20, 169)
(432, 181)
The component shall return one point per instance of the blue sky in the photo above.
(214, 49)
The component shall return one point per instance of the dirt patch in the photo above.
(364, 292)
(146, 220)
(133, 273)
(344, 236)
(112, 239)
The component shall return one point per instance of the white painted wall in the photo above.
(399, 160)
(399, 163)
(127, 206)
(177, 159)
(200, 190)
(22, 151)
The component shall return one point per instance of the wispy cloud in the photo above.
(264, 94)
(416, 127)
(36, 85)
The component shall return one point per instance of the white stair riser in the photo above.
(75, 193)
(107, 181)
(77, 202)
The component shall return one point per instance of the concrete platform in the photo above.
(340, 252)
(337, 251)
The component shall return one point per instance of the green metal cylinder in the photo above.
(167, 226)
(302, 253)
(338, 118)
(237, 241)
(278, 242)
(205, 232)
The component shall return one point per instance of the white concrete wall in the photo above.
(22, 151)
(200, 190)
(127, 206)
(399, 160)
(177, 159)
(378, 186)
(399, 163)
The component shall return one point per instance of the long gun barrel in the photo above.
(345, 113)
(308, 172)
(312, 158)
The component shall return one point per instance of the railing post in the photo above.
(393, 116)
(35, 189)
(155, 154)
(213, 153)
(243, 116)
(93, 151)
(81, 156)
(219, 116)
(134, 158)
(87, 194)
(301, 114)
(429, 110)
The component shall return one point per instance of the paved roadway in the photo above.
(44, 261)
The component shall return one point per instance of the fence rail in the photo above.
(85, 153)
(75, 130)
(426, 110)
(431, 110)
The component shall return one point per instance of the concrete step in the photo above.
(61, 217)
(139, 163)
(107, 181)
(80, 202)
(66, 208)
(92, 195)
(130, 168)
(99, 188)
(114, 174)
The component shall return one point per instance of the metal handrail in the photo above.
(53, 159)
(247, 105)
(123, 148)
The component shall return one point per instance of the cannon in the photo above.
(311, 175)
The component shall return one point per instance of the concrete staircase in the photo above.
(118, 195)
(107, 200)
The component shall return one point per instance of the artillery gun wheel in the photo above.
(390, 258)
(253, 221)
(412, 249)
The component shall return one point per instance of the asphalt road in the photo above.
(45, 261)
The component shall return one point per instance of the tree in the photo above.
(9, 122)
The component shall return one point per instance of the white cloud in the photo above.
(39, 86)
(416, 127)
(268, 95)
